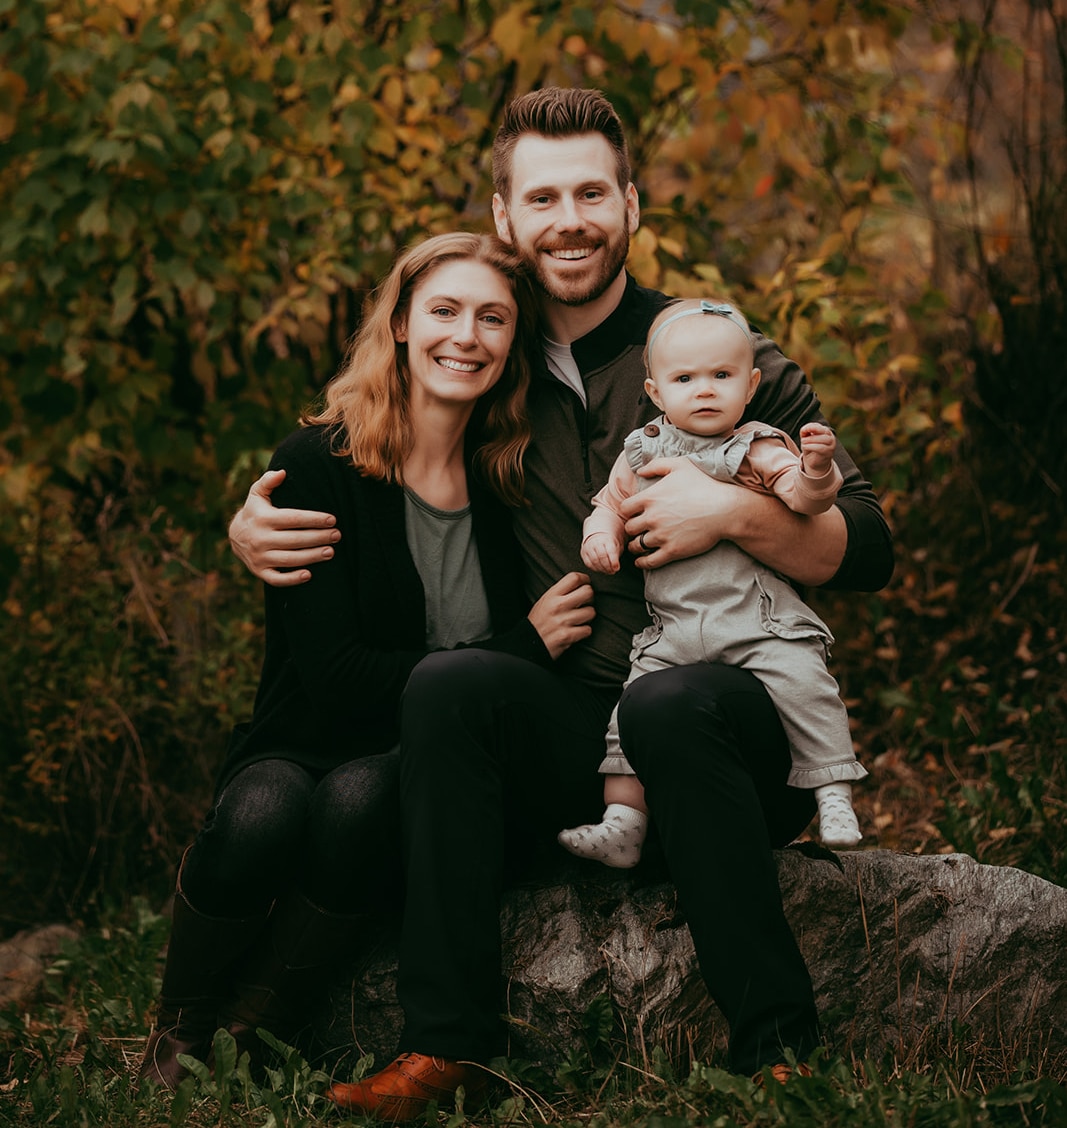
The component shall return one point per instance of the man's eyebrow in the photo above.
(551, 189)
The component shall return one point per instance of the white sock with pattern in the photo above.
(837, 820)
(616, 840)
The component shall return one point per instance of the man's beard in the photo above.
(580, 291)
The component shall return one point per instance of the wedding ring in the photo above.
(645, 546)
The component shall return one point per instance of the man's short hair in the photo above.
(557, 111)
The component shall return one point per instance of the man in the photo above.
(496, 749)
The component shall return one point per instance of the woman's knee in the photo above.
(353, 825)
(261, 813)
(358, 801)
(250, 841)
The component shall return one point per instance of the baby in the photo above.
(723, 606)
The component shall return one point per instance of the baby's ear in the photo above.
(653, 392)
(753, 383)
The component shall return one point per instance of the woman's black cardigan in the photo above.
(340, 647)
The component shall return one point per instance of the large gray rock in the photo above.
(904, 952)
(26, 956)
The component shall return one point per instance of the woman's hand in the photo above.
(271, 542)
(562, 616)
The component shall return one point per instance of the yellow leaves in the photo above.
(382, 140)
(914, 421)
(642, 261)
(660, 41)
(851, 220)
(669, 79)
(333, 38)
(952, 414)
(391, 95)
(136, 93)
(215, 101)
(422, 57)
(657, 40)
(531, 45)
(838, 42)
(510, 31)
(21, 482)
(12, 92)
(218, 142)
(204, 371)
(93, 222)
(710, 273)
(132, 9)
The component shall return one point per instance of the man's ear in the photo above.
(500, 218)
(633, 208)
(753, 384)
(653, 392)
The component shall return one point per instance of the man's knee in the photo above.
(662, 712)
(460, 687)
(450, 674)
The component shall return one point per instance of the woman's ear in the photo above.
(400, 331)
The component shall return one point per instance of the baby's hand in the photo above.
(817, 444)
(600, 552)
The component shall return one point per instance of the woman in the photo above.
(417, 450)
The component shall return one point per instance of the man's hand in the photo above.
(684, 514)
(687, 513)
(562, 616)
(817, 443)
(267, 540)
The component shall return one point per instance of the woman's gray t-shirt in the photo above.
(442, 545)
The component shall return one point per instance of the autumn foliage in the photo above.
(198, 196)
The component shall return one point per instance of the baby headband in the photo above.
(721, 309)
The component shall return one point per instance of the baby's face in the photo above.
(701, 374)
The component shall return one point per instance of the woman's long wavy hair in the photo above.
(367, 402)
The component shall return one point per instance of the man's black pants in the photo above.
(497, 751)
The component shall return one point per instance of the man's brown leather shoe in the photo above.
(403, 1089)
(782, 1072)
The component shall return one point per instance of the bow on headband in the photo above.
(721, 309)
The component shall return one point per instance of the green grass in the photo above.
(69, 1059)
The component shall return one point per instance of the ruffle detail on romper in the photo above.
(717, 456)
(810, 778)
(616, 765)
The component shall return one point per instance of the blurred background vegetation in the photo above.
(196, 197)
